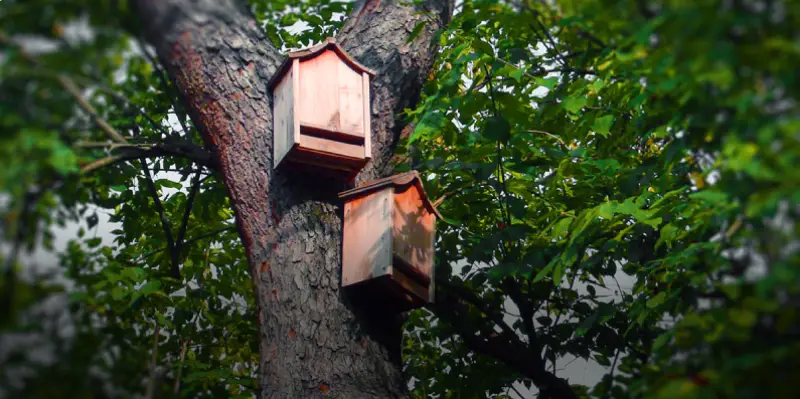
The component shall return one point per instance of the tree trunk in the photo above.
(314, 340)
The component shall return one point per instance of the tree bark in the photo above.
(314, 340)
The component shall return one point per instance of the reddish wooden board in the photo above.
(388, 241)
(321, 109)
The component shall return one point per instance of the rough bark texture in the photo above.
(314, 340)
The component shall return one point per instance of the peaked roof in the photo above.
(401, 180)
(311, 52)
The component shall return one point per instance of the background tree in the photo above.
(571, 145)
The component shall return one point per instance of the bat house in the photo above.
(321, 110)
(388, 243)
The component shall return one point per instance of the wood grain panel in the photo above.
(367, 239)
(319, 91)
(367, 116)
(351, 101)
(413, 230)
(332, 146)
(283, 111)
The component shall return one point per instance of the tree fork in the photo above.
(312, 340)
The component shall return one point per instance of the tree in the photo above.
(587, 141)
(568, 144)
(218, 60)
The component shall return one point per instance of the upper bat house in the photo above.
(321, 110)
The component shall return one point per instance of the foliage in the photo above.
(597, 140)
(319, 19)
(574, 145)
(174, 267)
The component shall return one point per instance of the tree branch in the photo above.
(560, 141)
(177, 387)
(507, 348)
(73, 90)
(186, 213)
(209, 234)
(217, 56)
(153, 359)
(129, 152)
(10, 276)
(68, 85)
(195, 239)
(525, 311)
(471, 298)
(180, 112)
(151, 187)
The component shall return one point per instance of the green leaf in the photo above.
(136, 274)
(150, 287)
(711, 196)
(483, 47)
(586, 325)
(77, 296)
(497, 129)
(544, 272)
(118, 293)
(547, 82)
(573, 104)
(743, 317)
(168, 183)
(603, 124)
(662, 340)
(499, 272)
(558, 272)
(656, 300)
(417, 30)
(602, 360)
(597, 85)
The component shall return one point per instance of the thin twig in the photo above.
(441, 199)
(517, 392)
(549, 134)
(180, 112)
(195, 239)
(211, 233)
(471, 298)
(151, 187)
(185, 222)
(73, 90)
(9, 287)
(549, 37)
(112, 145)
(611, 374)
(68, 85)
(123, 101)
(524, 72)
(182, 148)
(501, 172)
(100, 163)
(197, 155)
(176, 388)
(187, 212)
(84, 81)
(570, 362)
(153, 359)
